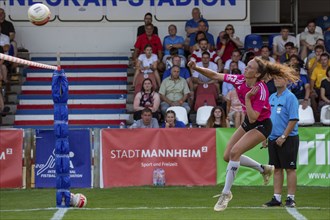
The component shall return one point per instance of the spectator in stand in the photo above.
(4, 42)
(192, 24)
(197, 54)
(288, 51)
(265, 54)
(7, 28)
(325, 90)
(146, 121)
(234, 108)
(146, 98)
(315, 61)
(148, 38)
(3, 70)
(173, 41)
(217, 118)
(174, 91)
(318, 75)
(232, 37)
(147, 20)
(171, 121)
(225, 46)
(312, 54)
(235, 56)
(294, 61)
(146, 68)
(202, 27)
(301, 88)
(200, 35)
(280, 41)
(199, 79)
(184, 73)
(308, 39)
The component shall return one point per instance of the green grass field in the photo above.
(164, 203)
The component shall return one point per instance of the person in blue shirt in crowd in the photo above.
(171, 121)
(283, 142)
(172, 41)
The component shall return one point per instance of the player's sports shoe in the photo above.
(273, 202)
(268, 172)
(223, 202)
(290, 203)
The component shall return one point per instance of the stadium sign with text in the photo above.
(133, 10)
(129, 156)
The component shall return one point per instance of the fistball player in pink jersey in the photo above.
(257, 126)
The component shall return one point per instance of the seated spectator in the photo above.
(318, 75)
(148, 38)
(294, 61)
(315, 61)
(199, 35)
(171, 121)
(249, 55)
(200, 79)
(217, 118)
(184, 73)
(280, 41)
(288, 51)
(312, 54)
(225, 46)
(147, 20)
(202, 27)
(265, 54)
(173, 41)
(197, 54)
(3, 69)
(174, 91)
(308, 39)
(146, 98)
(146, 68)
(146, 121)
(234, 108)
(325, 90)
(232, 37)
(301, 88)
(235, 56)
(192, 24)
(169, 63)
(7, 28)
(4, 42)
(295, 51)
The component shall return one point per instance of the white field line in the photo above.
(294, 212)
(59, 214)
(160, 208)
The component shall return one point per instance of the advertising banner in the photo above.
(129, 156)
(11, 145)
(313, 163)
(80, 159)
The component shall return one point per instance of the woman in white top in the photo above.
(146, 68)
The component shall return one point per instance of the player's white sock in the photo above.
(278, 197)
(232, 169)
(248, 162)
(291, 196)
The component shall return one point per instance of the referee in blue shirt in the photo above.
(283, 142)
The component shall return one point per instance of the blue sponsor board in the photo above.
(80, 159)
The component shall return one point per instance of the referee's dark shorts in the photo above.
(285, 156)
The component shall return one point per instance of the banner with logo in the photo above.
(313, 163)
(80, 159)
(129, 156)
(11, 145)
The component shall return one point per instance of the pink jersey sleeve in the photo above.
(260, 102)
(235, 80)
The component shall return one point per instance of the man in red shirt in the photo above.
(148, 38)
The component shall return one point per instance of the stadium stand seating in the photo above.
(253, 42)
(323, 22)
(306, 116)
(97, 93)
(327, 41)
(325, 115)
(270, 40)
(203, 113)
(180, 112)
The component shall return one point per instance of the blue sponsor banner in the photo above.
(80, 159)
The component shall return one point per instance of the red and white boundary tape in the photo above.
(27, 62)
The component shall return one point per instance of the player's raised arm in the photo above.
(206, 72)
